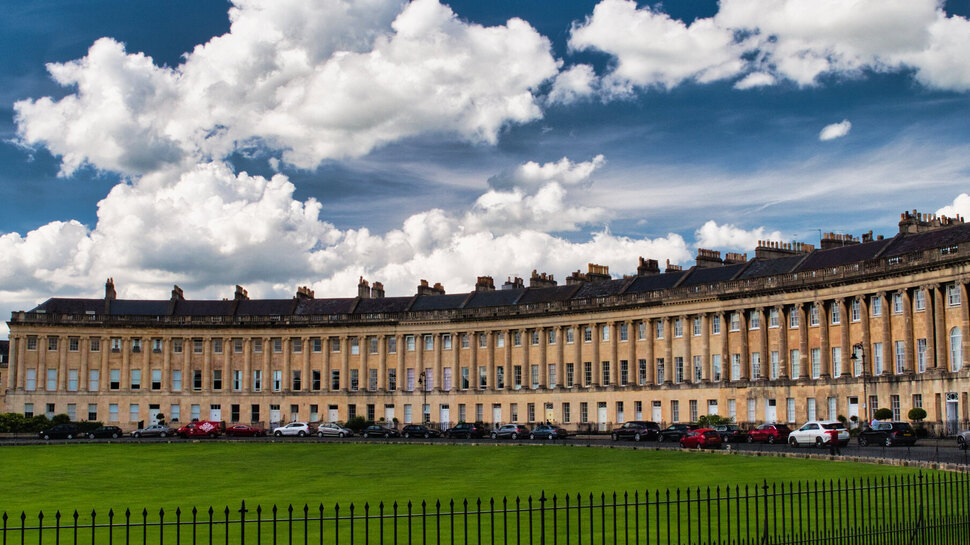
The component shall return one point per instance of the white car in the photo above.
(299, 429)
(816, 432)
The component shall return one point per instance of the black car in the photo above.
(674, 432)
(380, 431)
(511, 431)
(113, 432)
(731, 433)
(888, 434)
(638, 430)
(60, 431)
(466, 430)
(547, 431)
(417, 430)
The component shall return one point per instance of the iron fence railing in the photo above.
(911, 509)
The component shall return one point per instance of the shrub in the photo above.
(884, 414)
(357, 424)
(711, 420)
(917, 414)
(61, 419)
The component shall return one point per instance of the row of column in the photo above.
(934, 330)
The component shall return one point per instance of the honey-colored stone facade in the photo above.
(778, 348)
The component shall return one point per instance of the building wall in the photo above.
(51, 363)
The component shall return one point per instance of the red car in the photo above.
(701, 438)
(244, 430)
(769, 433)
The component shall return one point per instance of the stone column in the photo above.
(439, 375)
(930, 329)
(578, 348)
(631, 340)
(939, 311)
(207, 364)
(763, 344)
(363, 353)
(267, 363)
(668, 350)
(803, 361)
(888, 350)
(247, 371)
(561, 356)
(11, 382)
(706, 346)
(688, 330)
(287, 364)
(725, 348)
(866, 341)
(307, 379)
(382, 363)
(543, 358)
(325, 349)
(474, 380)
(597, 362)
(823, 323)
(745, 367)
(84, 345)
(62, 363)
(126, 346)
(648, 352)
(21, 363)
(615, 354)
(345, 363)
(456, 360)
(844, 325)
(909, 352)
(782, 342)
(964, 324)
(166, 364)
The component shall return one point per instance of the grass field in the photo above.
(102, 476)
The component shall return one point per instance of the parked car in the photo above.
(638, 430)
(511, 431)
(380, 431)
(674, 432)
(467, 430)
(245, 430)
(113, 432)
(769, 433)
(299, 429)
(731, 433)
(701, 438)
(963, 439)
(60, 431)
(816, 432)
(417, 430)
(332, 429)
(201, 428)
(548, 431)
(888, 434)
(155, 430)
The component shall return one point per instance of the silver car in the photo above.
(299, 429)
(331, 429)
(155, 430)
(963, 439)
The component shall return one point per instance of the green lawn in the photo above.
(103, 476)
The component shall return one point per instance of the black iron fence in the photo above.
(912, 509)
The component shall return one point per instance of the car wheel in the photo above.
(494, 435)
(47, 437)
(407, 435)
(136, 435)
(961, 442)
(320, 434)
(301, 433)
(550, 437)
(818, 442)
(278, 434)
(515, 436)
(636, 437)
(161, 434)
(113, 436)
(387, 436)
(427, 435)
(90, 436)
(793, 442)
(750, 439)
(615, 437)
(532, 436)
(889, 441)
(771, 439)
(70, 436)
(341, 435)
(863, 442)
(698, 445)
(660, 438)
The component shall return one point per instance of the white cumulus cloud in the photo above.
(712, 236)
(835, 130)
(959, 207)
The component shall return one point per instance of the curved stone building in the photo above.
(793, 334)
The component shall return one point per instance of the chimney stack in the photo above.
(377, 291)
(178, 294)
(513, 284)
(485, 283)
(304, 292)
(109, 290)
(541, 280)
(708, 258)
(648, 267)
(425, 289)
(363, 289)
(673, 268)
(241, 294)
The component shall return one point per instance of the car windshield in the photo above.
(833, 426)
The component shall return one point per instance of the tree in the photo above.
(357, 423)
(917, 414)
(61, 419)
(884, 414)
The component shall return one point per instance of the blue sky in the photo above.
(311, 143)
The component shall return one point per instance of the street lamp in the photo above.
(425, 414)
(859, 355)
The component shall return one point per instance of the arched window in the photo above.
(956, 349)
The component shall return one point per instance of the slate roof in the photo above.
(899, 245)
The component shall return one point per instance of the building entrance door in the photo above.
(951, 413)
(854, 410)
(656, 412)
(389, 414)
(274, 415)
(550, 414)
(445, 421)
(215, 413)
(496, 415)
(332, 414)
(153, 411)
(771, 410)
(601, 415)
